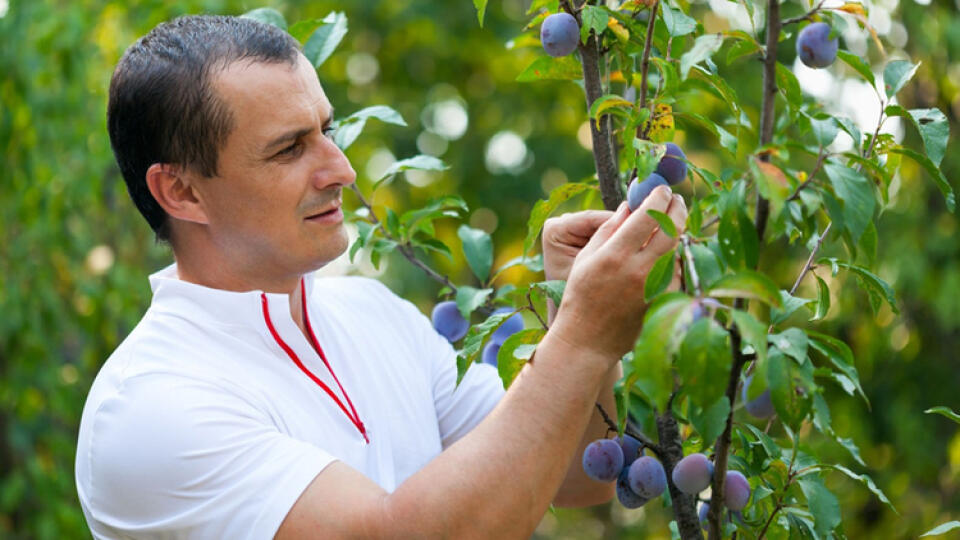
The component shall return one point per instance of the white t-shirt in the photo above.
(200, 425)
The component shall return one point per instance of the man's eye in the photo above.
(290, 150)
(328, 131)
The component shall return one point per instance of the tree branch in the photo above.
(405, 248)
(684, 506)
(816, 168)
(769, 100)
(607, 171)
(645, 62)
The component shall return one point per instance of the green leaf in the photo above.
(839, 354)
(710, 421)
(822, 503)
(481, 6)
(421, 162)
(789, 392)
(268, 16)
(656, 345)
(478, 249)
(940, 529)
(858, 65)
(790, 305)
(703, 362)
(512, 355)
(594, 18)
(326, 38)
(933, 171)
(945, 412)
(473, 343)
(726, 139)
(470, 298)
(823, 299)
(933, 126)
(550, 68)
(788, 82)
(896, 75)
(666, 224)
(852, 448)
(769, 446)
(350, 127)
(867, 481)
(543, 208)
(821, 415)
(703, 48)
(706, 263)
(301, 30)
(753, 332)
(856, 192)
(746, 284)
(647, 157)
(851, 128)
(877, 288)
(553, 288)
(607, 102)
(824, 130)
(660, 275)
(791, 342)
(677, 22)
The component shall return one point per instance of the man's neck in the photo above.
(218, 276)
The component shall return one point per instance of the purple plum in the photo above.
(672, 166)
(647, 477)
(692, 474)
(559, 34)
(637, 192)
(814, 46)
(448, 321)
(736, 490)
(602, 460)
(509, 327)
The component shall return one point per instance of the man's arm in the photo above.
(499, 480)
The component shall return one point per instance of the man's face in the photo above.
(274, 209)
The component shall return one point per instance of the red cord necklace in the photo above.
(352, 412)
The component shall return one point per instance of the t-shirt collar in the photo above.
(170, 293)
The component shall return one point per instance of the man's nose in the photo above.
(333, 167)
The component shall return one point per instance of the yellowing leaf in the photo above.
(854, 8)
(661, 126)
(618, 30)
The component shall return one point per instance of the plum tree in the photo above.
(672, 166)
(647, 477)
(760, 406)
(603, 460)
(631, 449)
(490, 352)
(509, 327)
(815, 47)
(736, 490)
(625, 494)
(637, 192)
(693, 473)
(448, 321)
(559, 34)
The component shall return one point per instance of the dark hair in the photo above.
(162, 108)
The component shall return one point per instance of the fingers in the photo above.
(638, 226)
(677, 211)
(607, 229)
(574, 229)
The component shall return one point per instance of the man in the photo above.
(255, 401)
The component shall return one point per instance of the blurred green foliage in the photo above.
(76, 253)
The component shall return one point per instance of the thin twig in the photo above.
(690, 266)
(813, 253)
(816, 168)
(645, 62)
(405, 248)
(805, 17)
(646, 441)
(534, 310)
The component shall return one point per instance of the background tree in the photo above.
(76, 253)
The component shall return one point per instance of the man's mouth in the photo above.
(328, 213)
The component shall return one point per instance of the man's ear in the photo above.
(174, 190)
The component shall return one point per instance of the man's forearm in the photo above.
(533, 434)
(578, 489)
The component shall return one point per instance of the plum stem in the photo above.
(805, 17)
(816, 168)
(646, 441)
